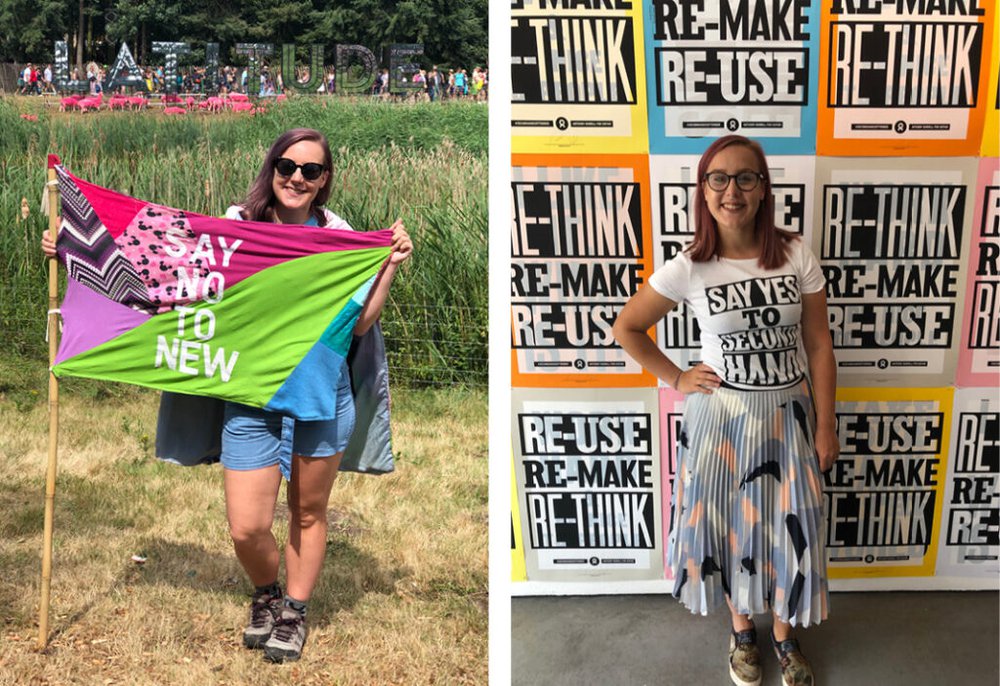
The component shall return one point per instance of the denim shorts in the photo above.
(253, 438)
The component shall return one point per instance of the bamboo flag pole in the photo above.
(50, 475)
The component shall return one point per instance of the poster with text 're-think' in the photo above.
(576, 76)
(579, 250)
(904, 78)
(970, 540)
(732, 66)
(588, 478)
(671, 420)
(884, 493)
(673, 184)
(979, 353)
(891, 237)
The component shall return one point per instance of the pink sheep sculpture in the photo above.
(174, 110)
(68, 103)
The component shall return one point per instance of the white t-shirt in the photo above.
(749, 317)
(332, 220)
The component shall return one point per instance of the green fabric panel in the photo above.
(285, 309)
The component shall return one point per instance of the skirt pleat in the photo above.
(747, 512)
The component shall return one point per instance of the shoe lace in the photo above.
(260, 611)
(286, 626)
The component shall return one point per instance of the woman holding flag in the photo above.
(258, 447)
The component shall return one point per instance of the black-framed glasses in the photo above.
(310, 170)
(745, 180)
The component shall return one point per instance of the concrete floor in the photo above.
(881, 639)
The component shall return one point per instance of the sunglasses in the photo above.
(310, 170)
(745, 181)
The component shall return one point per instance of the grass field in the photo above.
(403, 594)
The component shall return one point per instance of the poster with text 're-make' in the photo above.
(672, 186)
(576, 74)
(979, 354)
(671, 419)
(517, 570)
(587, 469)
(732, 66)
(970, 538)
(904, 78)
(580, 248)
(991, 125)
(884, 493)
(892, 238)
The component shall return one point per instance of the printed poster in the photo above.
(970, 540)
(991, 126)
(671, 418)
(576, 77)
(579, 249)
(892, 237)
(673, 184)
(587, 471)
(979, 355)
(884, 493)
(904, 77)
(732, 66)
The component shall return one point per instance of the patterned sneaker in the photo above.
(744, 658)
(288, 637)
(795, 669)
(264, 609)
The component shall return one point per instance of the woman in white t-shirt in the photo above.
(747, 513)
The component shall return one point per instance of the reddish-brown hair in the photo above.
(774, 241)
(259, 202)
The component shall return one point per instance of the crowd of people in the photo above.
(426, 84)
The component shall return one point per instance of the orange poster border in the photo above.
(828, 145)
(639, 163)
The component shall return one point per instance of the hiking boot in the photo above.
(744, 658)
(795, 669)
(264, 610)
(287, 638)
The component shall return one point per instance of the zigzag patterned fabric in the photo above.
(257, 313)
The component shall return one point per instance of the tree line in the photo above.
(453, 34)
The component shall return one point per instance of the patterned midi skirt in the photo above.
(747, 511)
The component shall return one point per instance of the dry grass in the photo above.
(402, 598)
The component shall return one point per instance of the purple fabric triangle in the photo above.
(91, 319)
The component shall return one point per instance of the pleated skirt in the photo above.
(747, 510)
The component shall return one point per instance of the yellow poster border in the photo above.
(991, 125)
(518, 569)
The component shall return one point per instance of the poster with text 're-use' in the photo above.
(671, 419)
(884, 493)
(579, 250)
(673, 184)
(891, 236)
(904, 77)
(587, 469)
(979, 354)
(732, 66)
(970, 538)
(577, 76)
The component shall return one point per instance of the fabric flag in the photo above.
(253, 312)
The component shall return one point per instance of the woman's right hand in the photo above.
(48, 245)
(698, 379)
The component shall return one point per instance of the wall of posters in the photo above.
(970, 538)
(579, 249)
(979, 355)
(904, 78)
(587, 471)
(576, 76)
(891, 238)
(732, 66)
(884, 494)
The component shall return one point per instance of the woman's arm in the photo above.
(823, 371)
(402, 248)
(631, 330)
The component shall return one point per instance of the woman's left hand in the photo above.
(827, 448)
(402, 246)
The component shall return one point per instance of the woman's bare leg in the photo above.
(250, 499)
(308, 496)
